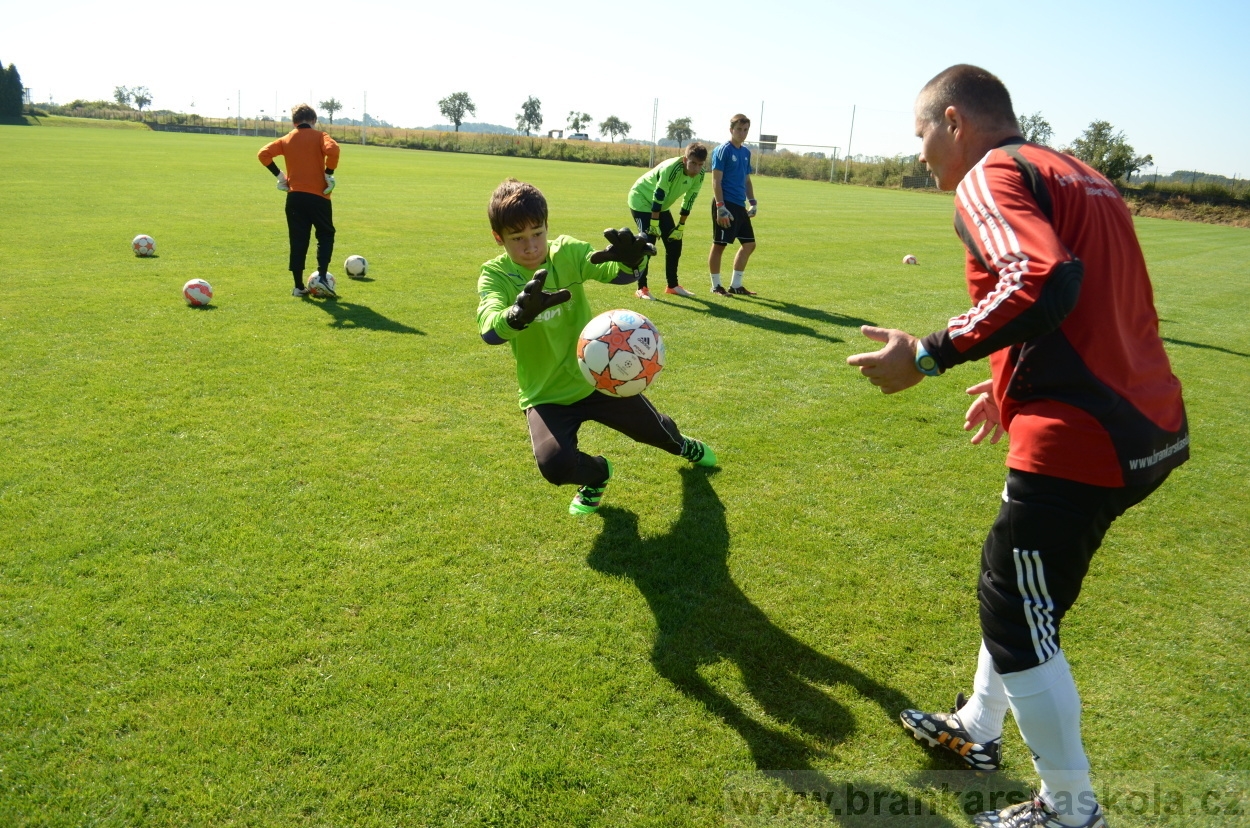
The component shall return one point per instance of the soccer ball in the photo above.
(143, 245)
(318, 282)
(197, 292)
(909, 259)
(356, 267)
(620, 352)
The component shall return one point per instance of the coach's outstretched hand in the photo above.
(893, 368)
(624, 246)
(533, 300)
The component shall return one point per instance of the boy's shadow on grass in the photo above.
(351, 315)
(703, 618)
(742, 314)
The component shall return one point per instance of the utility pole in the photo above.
(847, 162)
(655, 112)
(364, 120)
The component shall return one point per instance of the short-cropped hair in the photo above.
(696, 152)
(975, 92)
(739, 119)
(515, 206)
(303, 114)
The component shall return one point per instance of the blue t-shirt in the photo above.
(735, 165)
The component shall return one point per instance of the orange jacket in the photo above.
(309, 153)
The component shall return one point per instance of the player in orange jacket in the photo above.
(312, 156)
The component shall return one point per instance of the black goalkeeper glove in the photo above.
(624, 247)
(533, 300)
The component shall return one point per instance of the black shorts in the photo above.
(740, 228)
(1035, 559)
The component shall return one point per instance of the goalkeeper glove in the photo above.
(723, 217)
(751, 209)
(533, 300)
(282, 185)
(677, 232)
(653, 230)
(624, 247)
(329, 185)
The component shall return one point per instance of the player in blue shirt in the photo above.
(733, 207)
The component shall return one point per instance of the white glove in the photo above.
(329, 185)
(723, 217)
(751, 209)
(282, 185)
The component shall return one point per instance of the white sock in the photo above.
(715, 280)
(737, 279)
(983, 714)
(1048, 712)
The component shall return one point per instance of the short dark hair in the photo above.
(303, 114)
(515, 206)
(976, 93)
(696, 151)
(739, 119)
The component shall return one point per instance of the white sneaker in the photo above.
(644, 293)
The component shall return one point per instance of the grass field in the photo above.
(289, 562)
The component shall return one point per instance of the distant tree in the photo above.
(455, 106)
(141, 96)
(531, 117)
(1105, 150)
(680, 131)
(331, 106)
(12, 95)
(1035, 128)
(613, 126)
(122, 95)
(1138, 162)
(579, 121)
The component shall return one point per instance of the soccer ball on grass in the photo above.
(356, 267)
(909, 259)
(143, 245)
(318, 282)
(197, 292)
(620, 353)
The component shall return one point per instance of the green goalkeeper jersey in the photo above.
(660, 187)
(546, 351)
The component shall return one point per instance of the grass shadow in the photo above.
(348, 315)
(1203, 346)
(743, 316)
(703, 618)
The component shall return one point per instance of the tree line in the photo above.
(1100, 146)
(12, 93)
(456, 106)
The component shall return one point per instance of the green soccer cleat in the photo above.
(586, 501)
(698, 452)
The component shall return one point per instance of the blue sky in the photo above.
(1173, 77)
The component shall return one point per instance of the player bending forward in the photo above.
(1064, 310)
(543, 327)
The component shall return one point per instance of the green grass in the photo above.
(285, 562)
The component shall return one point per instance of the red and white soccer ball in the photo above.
(197, 292)
(909, 259)
(143, 245)
(356, 267)
(620, 353)
(318, 282)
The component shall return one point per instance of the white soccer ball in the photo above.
(620, 353)
(197, 292)
(143, 245)
(318, 282)
(909, 259)
(356, 267)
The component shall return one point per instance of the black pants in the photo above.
(672, 247)
(304, 211)
(553, 431)
(1035, 558)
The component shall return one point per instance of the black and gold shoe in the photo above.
(944, 730)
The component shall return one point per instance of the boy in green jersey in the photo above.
(649, 201)
(542, 327)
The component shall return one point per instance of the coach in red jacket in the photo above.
(1063, 309)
